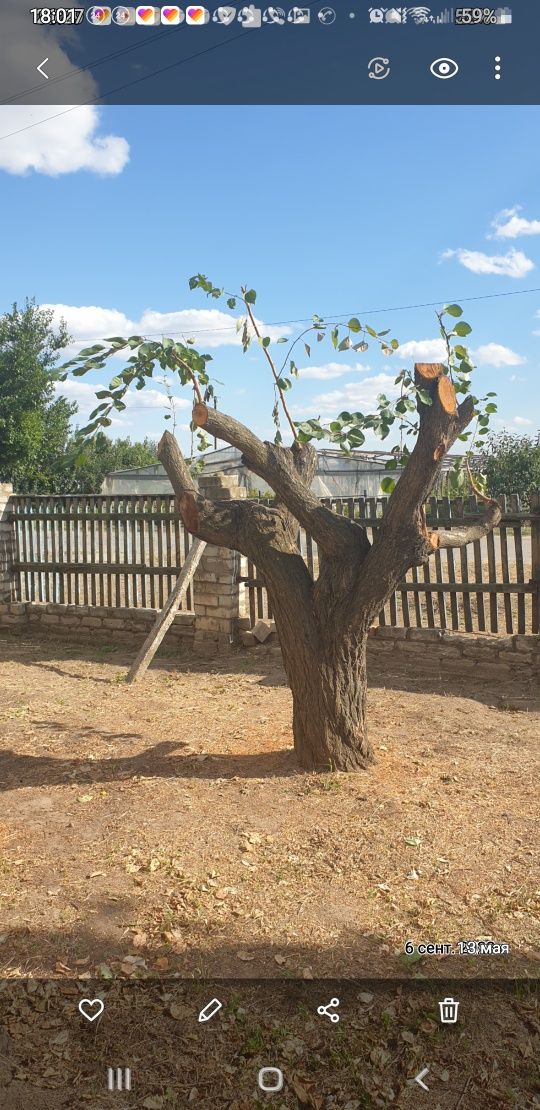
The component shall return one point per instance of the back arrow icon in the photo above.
(40, 70)
(419, 1079)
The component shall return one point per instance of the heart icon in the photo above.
(169, 13)
(91, 1008)
(145, 13)
(195, 15)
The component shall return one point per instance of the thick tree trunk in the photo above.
(328, 681)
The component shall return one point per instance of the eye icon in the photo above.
(444, 68)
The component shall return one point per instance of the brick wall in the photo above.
(102, 623)
(476, 655)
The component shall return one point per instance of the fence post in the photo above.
(7, 544)
(216, 591)
(535, 559)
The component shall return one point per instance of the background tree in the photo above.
(511, 464)
(85, 462)
(322, 624)
(34, 422)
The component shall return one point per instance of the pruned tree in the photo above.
(322, 623)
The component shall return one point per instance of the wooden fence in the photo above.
(128, 551)
(490, 585)
(93, 550)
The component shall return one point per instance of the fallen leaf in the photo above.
(85, 797)
(245, 956)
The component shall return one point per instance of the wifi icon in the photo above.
(420, 15)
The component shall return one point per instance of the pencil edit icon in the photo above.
(210, 1010)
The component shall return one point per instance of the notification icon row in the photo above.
(195, 15)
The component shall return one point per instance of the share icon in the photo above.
(324, 1011)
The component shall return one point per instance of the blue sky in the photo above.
(321, 209)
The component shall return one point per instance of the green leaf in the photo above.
(394, 344)
(491, 407)
(282, 339)
(308, 349)
(424, 396)
(334, 336)
(231, 302)
(453, 310)
(91, 350)
(266, 341)
(345, 344)
(388, 485)
(354, 324)
(250, 297)
(462, 329)
(371, 331)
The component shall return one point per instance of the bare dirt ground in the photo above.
(165, 829)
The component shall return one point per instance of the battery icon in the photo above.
(210, 1010)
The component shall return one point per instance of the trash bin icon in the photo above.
(449, 1011)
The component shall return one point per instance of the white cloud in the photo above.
(33, 138)
(508, 225)
(513, 264)
(85, 396)
(423, 350)
(517, 378)
(494, 354)
(209, 327)
(332, 370)
(51, 139)
(521, 421)
(355, 395)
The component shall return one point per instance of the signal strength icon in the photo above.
(447, 16)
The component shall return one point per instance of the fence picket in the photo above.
(515, 507)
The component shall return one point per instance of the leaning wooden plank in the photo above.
(168, 613)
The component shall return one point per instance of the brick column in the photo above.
(7, 546)
(216, 591)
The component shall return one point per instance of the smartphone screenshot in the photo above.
(269, 556)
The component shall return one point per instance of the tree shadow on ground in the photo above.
(158, 761)
(209, 949)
